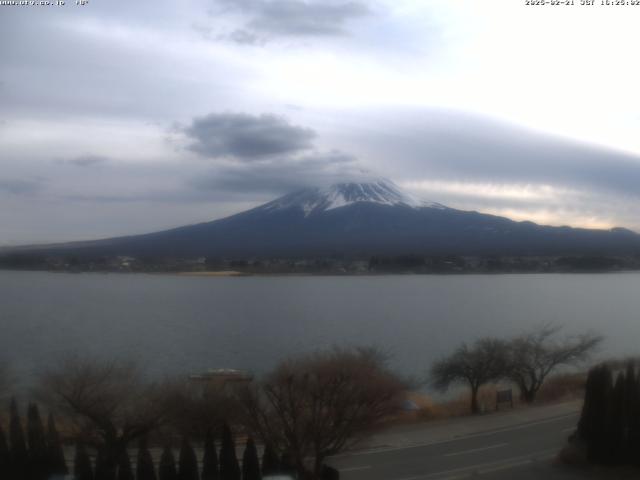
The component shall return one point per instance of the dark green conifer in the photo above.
(593, 422)
(250, 462)
(55, 453)
(5, 456)
(634, 427)
(100, 467)
(270, 462)
(329, 473)
(287, 466)
(188, 462)
(229, 468)
(106, 465)
(615, 425)
(210, 469)
(18, 445)
(125, 472)
(167, 468)
(587, 413)
(605, 390)
(82, 464)
(144, 467)
(629, 387)
(630, 404)
(39, 468)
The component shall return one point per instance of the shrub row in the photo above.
(38, 455)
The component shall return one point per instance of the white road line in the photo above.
(486, 467)
(355, 469)
(474, 450)
(570, 429)
(515, 464)
(375, 451)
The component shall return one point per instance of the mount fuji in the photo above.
(357, 219)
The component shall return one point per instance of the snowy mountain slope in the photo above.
(317, 200)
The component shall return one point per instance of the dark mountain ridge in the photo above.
(356, 220)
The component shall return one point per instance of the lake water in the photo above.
(179, 324)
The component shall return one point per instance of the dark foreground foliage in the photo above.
(609, 426)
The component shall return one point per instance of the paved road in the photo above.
(517, 451)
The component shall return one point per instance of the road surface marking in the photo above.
(504, 464)
(474, 450)
(515, 464)
(355, 469)
(375, 451)
(570, 429)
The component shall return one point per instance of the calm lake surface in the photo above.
(179, 324)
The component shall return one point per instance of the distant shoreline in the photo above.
(234, 273)
(221, 273)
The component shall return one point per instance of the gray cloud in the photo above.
(20, 187)
(281, 176)
(444, 145)
(244, 37)
(86, 160)
(293, 18)
(246, 137)
(110, 78)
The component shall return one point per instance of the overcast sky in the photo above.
(124, 117)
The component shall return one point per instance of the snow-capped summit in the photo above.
(315, 200)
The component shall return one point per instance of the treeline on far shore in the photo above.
(338, 264)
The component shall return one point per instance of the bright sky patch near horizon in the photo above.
(121, 117)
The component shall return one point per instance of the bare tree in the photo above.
(535, 355)
(317, 405)
(482, 362)
(194, 408)
(106, 401)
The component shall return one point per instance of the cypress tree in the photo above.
(229, 468)
(210, 469)
(167, 468)
(188, 462)
(630, 405)
(19, 453)
(269, 461)
(634, 427)
(55, 454)
(106, 468)
(144, 466)
(100, 467)
(125, 472)
(597, 406)
(629, 387)
(250, 462)
(329, 473)
(286, 465)
(615, 426)
(39, 468)
(82, 464)
(587, 413)
(5, 456)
